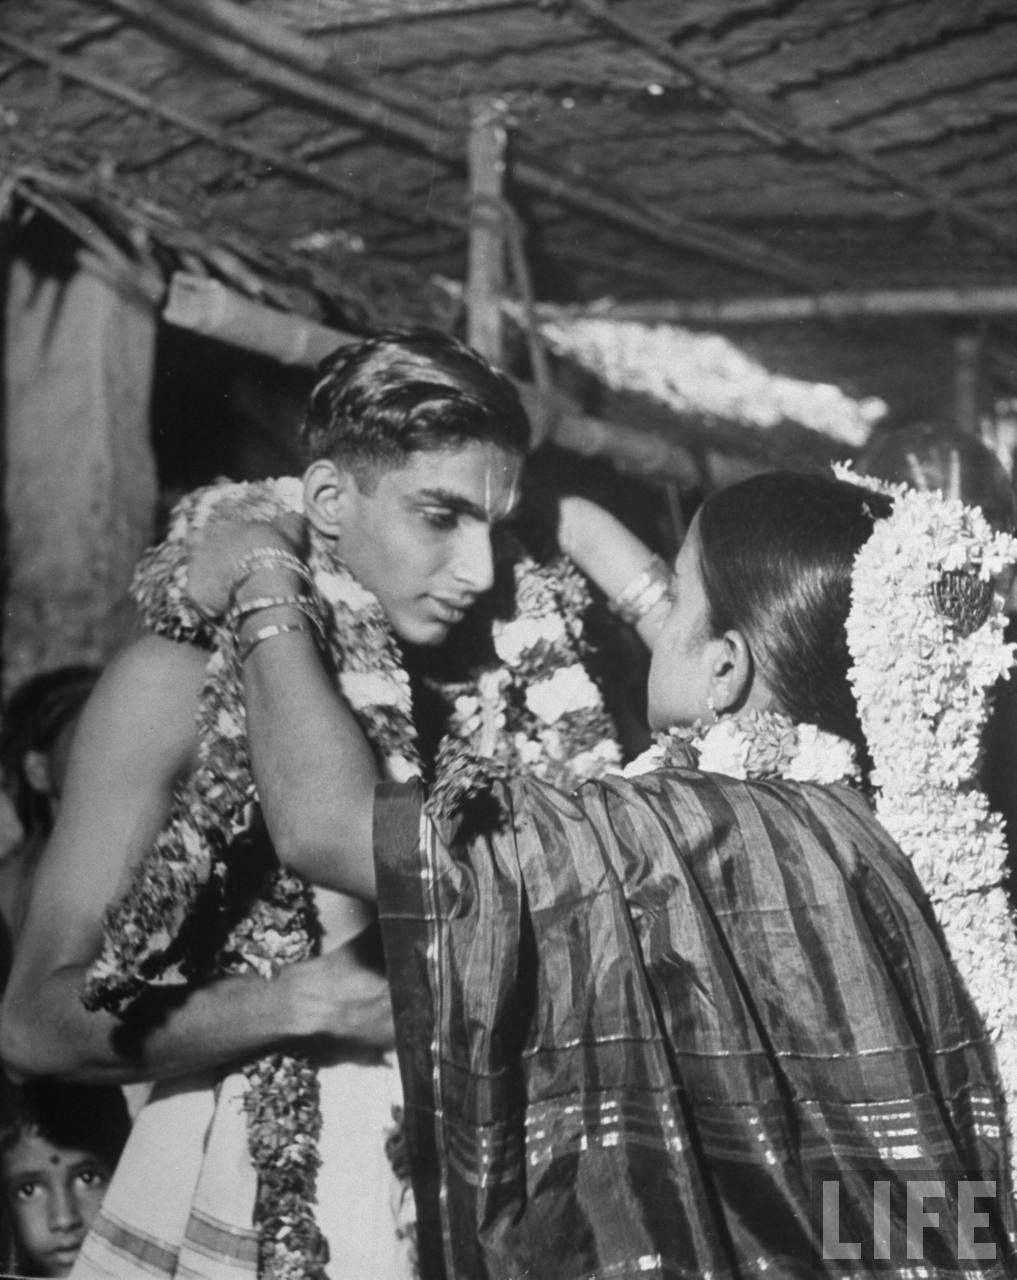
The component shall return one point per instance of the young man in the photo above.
(416, 449)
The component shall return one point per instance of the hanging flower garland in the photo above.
(199, 902)
(926, 637)
(757, 745)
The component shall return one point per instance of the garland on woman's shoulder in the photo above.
(196, 904)
(760, 745)
(926, 638)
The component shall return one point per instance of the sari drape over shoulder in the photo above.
(642, 1025)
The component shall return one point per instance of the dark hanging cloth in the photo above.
(642, 1025)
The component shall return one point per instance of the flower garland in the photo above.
(758, 745)
(925, 634)
(194, 907)
(706, 375)
(538, 709)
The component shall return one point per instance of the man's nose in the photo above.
(474, 564)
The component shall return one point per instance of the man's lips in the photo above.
(450, 611)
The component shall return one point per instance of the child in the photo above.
(59, 1145)
(36, 728)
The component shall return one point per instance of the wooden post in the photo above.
(967, 358)
(485, 282)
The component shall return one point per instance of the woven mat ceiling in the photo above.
(314, 150)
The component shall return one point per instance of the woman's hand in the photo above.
(215, 553)
(610, 555)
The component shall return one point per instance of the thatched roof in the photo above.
(314, 154)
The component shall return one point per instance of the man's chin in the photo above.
(424, 635)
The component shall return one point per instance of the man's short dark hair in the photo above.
(377, 401)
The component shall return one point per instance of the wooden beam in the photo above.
(69, 69)
(485, 279)
(759, 114)
(292, 67)
(209, 308)
(206, 306)
(1001, 300)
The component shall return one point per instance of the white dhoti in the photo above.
(182, 1199)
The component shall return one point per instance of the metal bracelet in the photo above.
(269, 632)
(241, 611)
(652, 585)
(264, 558)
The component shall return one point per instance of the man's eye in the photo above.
(441, 517)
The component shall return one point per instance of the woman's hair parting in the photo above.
(375, 402)
(776, 557)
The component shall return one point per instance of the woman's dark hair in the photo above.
(776, 553)
(34, 716)
(377, 401)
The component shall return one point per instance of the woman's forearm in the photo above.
(314, 769)
(610, 555)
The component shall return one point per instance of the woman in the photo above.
(699, 1021)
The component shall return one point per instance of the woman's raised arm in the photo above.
(314, 769)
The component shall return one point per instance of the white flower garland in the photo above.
(923, 666)
(706, 375)
(568, 730)
(758, 744)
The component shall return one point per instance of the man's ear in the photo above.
(732, 673)
(327, 490)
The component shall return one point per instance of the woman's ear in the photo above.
(732, 674)
(36, 767)
(326, 493)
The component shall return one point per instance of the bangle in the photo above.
(652, 585)
(270, 632)
(240, 611)
(264, 558)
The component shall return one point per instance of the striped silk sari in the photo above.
(683, 1026)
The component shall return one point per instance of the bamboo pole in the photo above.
(290, 67)
(197, 129)
(485, 280)
(760, 114)
(208, 307)
(993, 300)
(967, 349)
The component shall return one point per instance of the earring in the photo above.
(711, 706)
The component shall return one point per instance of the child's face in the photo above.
(52, 1195)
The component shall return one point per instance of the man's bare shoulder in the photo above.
(143, 708)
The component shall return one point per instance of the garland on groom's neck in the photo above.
(532, 704)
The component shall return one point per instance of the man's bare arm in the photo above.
(135, 741)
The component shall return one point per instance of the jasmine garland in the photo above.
(533, 704)
(926, 637)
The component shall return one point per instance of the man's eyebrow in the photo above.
(457, 502)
